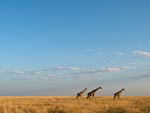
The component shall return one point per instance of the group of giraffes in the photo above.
(91, 94)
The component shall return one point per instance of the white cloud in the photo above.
(126, 67)
(21, 78)
(101, 70)
(61, 68)
(115, 69)
(2, 71)
(89, 50)
(28, 72)
(112, 69)
(18, 72)
(142, 53)
(74, 68)
(140, 77)
(77, 70)
(50, 75)
(37, 72)
(119, 53)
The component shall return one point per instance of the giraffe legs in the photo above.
(89, 97)
(116, 96)
(93, 97)
(77, 97)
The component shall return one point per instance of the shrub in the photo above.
(116, 110)
(145, 109)
(1, 109)
(56, 110)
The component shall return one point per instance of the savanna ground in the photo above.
(46, 104)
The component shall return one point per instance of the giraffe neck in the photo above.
(95, 89)
(83, 90)
(120, 90)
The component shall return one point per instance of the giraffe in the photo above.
(80, 94)
(92, 93)
(117, 94)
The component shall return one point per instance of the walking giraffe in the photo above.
(80, 94)
(117, 94)
(92, 93)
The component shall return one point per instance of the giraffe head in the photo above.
(85, 89)
(100, 88)
(123, 89)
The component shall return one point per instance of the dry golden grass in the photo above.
(59, 104)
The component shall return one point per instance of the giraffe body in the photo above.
(80, 94)
(92, 93)
(117, 94)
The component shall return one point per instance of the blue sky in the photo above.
(59, 47)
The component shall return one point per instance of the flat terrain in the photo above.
(49, 104)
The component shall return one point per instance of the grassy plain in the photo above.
(58, 104)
